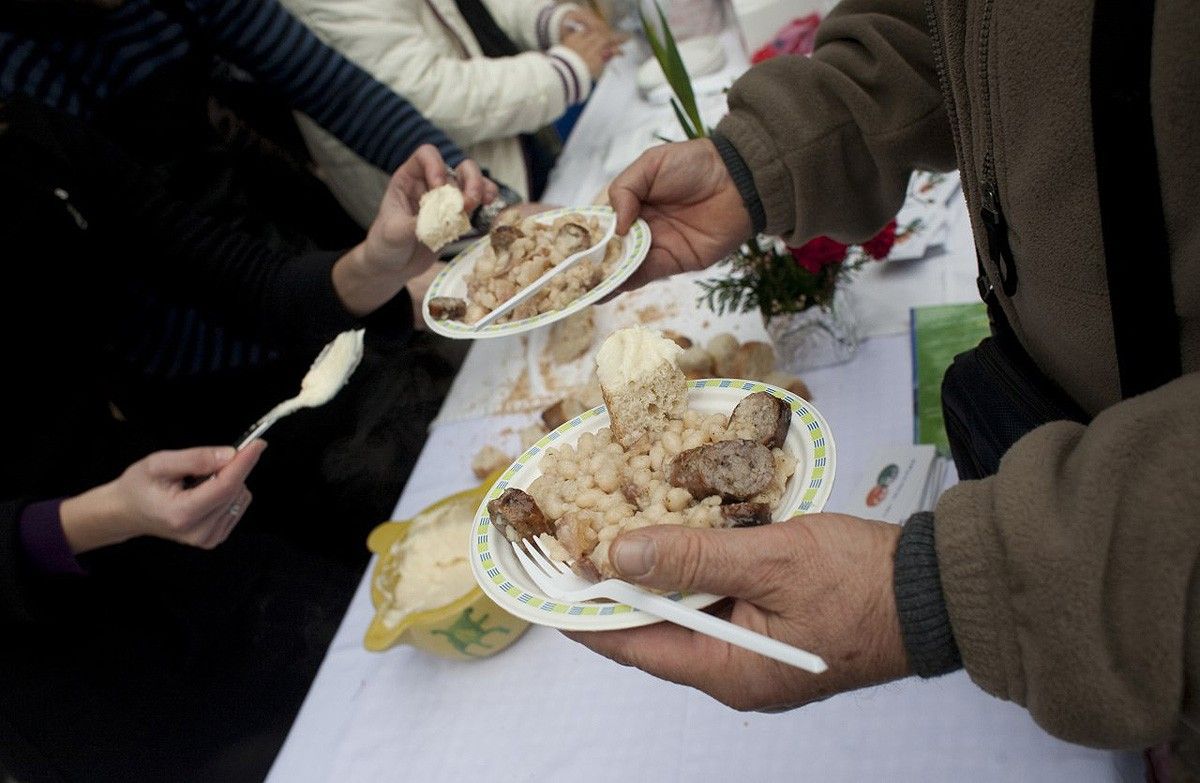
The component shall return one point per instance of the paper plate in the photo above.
(504, 580)
(452, 281)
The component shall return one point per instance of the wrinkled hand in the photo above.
(391, 244)
(151, 499)
(822, 582)
(685, 194)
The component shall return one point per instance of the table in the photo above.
(548, 709)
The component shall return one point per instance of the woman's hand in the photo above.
(595, 47)
(822, 582)
(375, 271)
(391, 243)
(151, 498)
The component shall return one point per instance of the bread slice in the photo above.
(642, 385)
(441, 218)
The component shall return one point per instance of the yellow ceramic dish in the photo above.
(470, 627)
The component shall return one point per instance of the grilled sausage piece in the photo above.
(734, 469)
(767, 417)
(517, 515)
(447, 307)
(572, 238)
(745, 514)
(502, 237)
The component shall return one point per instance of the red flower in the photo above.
(819, 253)
(879, 247)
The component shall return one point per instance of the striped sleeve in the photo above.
(261, 37)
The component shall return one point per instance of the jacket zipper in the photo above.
(991, 212)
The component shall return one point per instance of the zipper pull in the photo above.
(994, 223)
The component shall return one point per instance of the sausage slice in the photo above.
(447, 308)
(766, 417)
(734, 469)
(517, 515)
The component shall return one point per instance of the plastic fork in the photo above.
(595, 251)
(557, 580)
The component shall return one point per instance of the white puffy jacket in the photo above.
(424, 50)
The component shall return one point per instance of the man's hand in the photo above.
(822, 582)
(152, 498)
(685, 194)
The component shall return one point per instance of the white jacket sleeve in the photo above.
(531, 24)
(471, 99)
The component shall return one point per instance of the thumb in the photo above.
(190, 462)
(632, 186)
(670, 557)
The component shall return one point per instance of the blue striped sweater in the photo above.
(80, 67)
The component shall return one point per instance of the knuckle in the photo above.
(687, 560)
(156, 463)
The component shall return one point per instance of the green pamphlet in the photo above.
(938, 334)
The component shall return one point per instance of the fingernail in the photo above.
(633, 556)
(224, 454)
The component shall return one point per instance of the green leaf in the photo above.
(669, 59)
(678, 76)
(688, 130)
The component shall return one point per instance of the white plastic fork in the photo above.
(557, 580)
(595, 251)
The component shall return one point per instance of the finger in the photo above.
(472, 183)
(631, 187)
(744, 563)
(680, 655)
(228, 481)
(177, 465)
(423, 171)
(224, 520)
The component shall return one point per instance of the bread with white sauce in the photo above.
(441, 218)
(642, 384)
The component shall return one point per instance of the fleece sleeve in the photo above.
(1072, 576)
(832, 139)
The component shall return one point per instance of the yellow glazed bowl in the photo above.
(469, 627)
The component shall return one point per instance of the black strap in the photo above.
(492, 40)
(1136, 254)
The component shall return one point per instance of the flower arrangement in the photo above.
(764, 273)
(768, 276)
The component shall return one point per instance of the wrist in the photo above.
(891, 660)
(920, 605)
(95, 519)
(363, 281)
(743, 180)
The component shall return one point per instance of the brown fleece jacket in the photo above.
(1072, 577)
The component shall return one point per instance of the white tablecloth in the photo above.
(547, 709)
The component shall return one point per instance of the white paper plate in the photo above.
(452, 281)
(501, 576)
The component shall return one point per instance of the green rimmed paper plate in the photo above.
(452, 281)
(503, 579)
